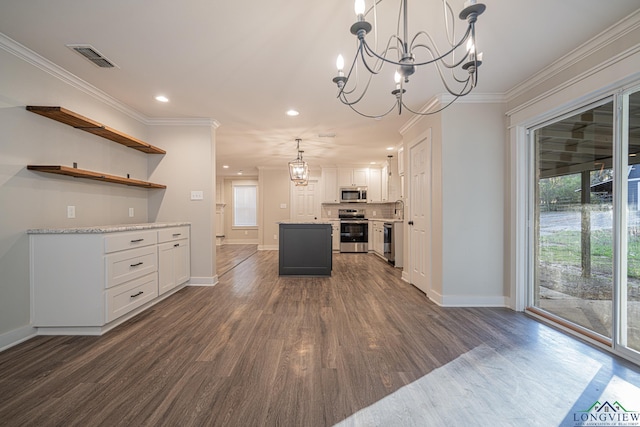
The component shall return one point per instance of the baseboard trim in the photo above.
(16, 336)
(204, 281)
(468, 300)
(268, 247)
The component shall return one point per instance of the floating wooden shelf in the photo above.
(98, 176)
(77, 121)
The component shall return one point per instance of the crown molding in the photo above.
(600, 41)
(76, 82)
(438, 101)
(195, 121)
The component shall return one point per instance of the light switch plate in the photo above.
(283, 206)
(131, 213)
(197, 195)
(71, 211)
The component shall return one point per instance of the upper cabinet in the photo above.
(374, 190)
(401, 161)
(330, 185)
(353, 177)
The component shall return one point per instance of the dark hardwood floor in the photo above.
(358, 348)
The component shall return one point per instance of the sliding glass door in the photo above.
(585, 228)
(573, 220)
(629, 327)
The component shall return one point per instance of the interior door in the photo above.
(305, 202)
(420, 213)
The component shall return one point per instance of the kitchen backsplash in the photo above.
(372, 210)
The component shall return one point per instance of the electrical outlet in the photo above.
(131, 213)
(374, 213)
(246, 232)
(197, 195)
(275, 237)
(328, 213)
(283, 206)
(71, 211)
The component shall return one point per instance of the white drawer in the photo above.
(128, 265)
(171, 234)
(130, 239)
(124, 298)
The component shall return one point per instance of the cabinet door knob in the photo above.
(410, 223)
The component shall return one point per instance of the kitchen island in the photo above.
(305, 249)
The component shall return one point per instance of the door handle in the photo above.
(410, 223)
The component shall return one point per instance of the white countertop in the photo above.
(106, 228)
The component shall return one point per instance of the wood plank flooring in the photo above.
(358, 348)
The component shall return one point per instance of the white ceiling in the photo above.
(245, 62)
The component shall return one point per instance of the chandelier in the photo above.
(299, 169)
(458, 75)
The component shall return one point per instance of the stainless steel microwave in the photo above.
(353, 194)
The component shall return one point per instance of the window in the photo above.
(245, 196)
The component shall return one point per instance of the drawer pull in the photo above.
(137, 295)
(176, 245)
(177, 234)
(137, 240)
(137, 264)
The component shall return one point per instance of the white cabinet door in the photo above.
(173, 265)
(361, 177)
(166, 268)
(374, 190)
(330, 185)
(335, 230)
(385, 183)
(345, 177)
(350, 177)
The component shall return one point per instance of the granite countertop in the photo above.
(106, 228)
(386, 219)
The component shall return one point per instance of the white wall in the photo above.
(473, 142)
(188, 165)
(35, 200)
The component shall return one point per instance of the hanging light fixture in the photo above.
(298, 168)
(406, 55)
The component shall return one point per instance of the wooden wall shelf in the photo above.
(98, 176)
(77, 121)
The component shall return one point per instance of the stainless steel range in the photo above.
(354, 230)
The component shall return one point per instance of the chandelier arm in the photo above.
(450, 33)
(343, 97)
(443, 62)
(376, 116)
(379, 58)
(435, 47)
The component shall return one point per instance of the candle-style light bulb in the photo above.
(359, 8)
(340, 63)
(397, 77)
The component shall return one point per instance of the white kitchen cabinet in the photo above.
(173, 258)
(384, 179)
(330, 192)
(353, 177)
(335, 235)
(85, 281)
(374, 189)
(376, 237)
(401, 161)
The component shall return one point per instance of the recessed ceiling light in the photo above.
(225, 166)
(240, 173)
(292, 113)
(389, 148)
(162, 98)
(372, 163)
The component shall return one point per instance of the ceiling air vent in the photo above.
(92, 55)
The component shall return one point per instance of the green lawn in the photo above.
(563, 247)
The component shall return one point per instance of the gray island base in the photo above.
(305, 249)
